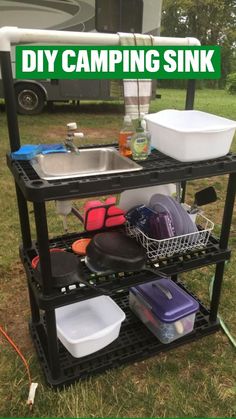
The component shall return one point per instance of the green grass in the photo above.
(195, 380)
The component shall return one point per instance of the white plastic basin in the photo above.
(88, 326)
(190, 135)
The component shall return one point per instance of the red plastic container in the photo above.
(99, 215)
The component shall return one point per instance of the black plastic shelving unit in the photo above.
(135, 341)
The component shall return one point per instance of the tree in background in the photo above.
(213, 22)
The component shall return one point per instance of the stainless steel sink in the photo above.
(89, 162)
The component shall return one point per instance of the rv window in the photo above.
(119, 15)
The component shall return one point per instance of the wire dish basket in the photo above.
(157, 249)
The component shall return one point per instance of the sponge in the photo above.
(26, 152)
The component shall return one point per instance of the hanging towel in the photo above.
(137, 92)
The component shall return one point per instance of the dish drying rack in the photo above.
(157, 249)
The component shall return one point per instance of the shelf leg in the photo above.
(14, 136)
(43, 246)
(10, 100)
(215, 299)
(190, 95)
(46, 275)
(53, 356)
(224, 238)
(228, 211)
(184, 188)
(35, 315)
(24, 218)
(189, 105)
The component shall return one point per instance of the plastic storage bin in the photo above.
(167, 310)
(88, 326)
(190, 135)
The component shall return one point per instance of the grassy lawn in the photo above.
(195, 380)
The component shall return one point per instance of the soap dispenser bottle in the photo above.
(140, 142)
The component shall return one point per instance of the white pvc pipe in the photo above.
(13, 35)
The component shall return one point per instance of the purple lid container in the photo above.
(167, 300)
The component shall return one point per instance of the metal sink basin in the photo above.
(89, 162)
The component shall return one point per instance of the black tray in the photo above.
(209, 255)
(157, 169)
(134, 343)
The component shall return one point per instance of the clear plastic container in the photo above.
(165, 309)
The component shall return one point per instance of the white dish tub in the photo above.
(88, 326)
(190, 135)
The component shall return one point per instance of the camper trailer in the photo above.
(110, 16)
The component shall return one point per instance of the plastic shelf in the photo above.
(170, 266)
(135, 343)
(157, 169)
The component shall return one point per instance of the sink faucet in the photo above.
(70, 146)
(71, 134)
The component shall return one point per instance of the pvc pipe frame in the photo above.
(14, 35)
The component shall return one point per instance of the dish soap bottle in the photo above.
(140, 143)
(125, 136)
